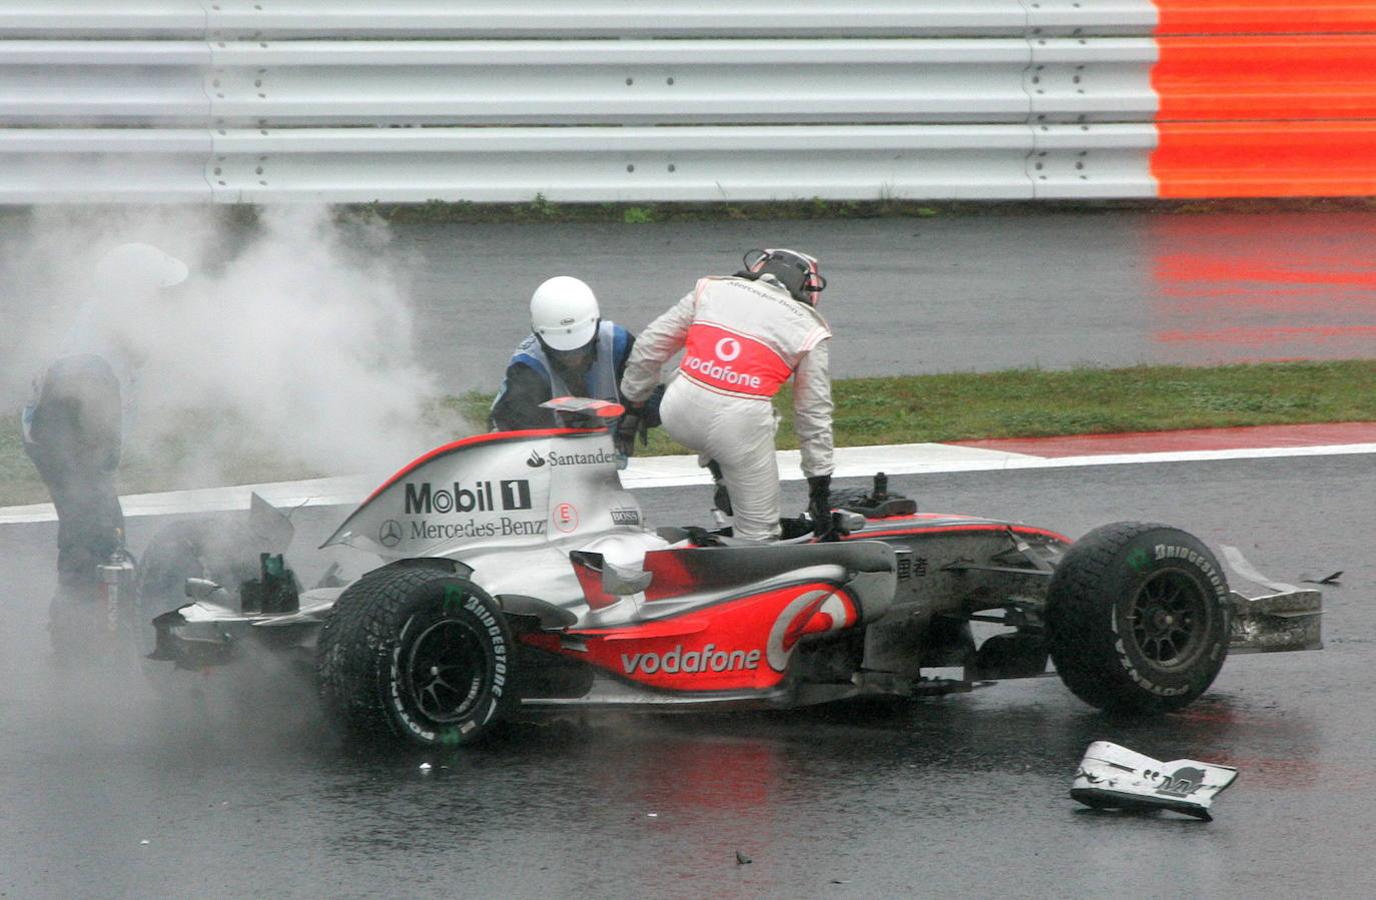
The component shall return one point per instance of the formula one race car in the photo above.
(519, 579)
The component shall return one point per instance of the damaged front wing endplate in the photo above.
(1276, 622)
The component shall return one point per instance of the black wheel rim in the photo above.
(1170, 619)
(446, 669)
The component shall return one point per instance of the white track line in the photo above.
(676, 471)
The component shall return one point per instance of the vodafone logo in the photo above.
(739, 363)
(788, 628)
(677, 662)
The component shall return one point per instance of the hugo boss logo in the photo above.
(479, 496)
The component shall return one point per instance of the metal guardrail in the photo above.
(432, 19)
(575, 82)
(645, 100)
(698, 164)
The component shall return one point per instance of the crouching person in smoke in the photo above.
(82, 408)
(571, 352)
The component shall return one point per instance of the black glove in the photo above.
(819, 504)
(721, 497)
(632, 424)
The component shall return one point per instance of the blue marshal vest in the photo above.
(601, 380)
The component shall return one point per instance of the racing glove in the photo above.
(632, 425)
(819, 504)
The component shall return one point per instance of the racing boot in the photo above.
(721, 498)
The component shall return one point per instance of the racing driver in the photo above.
(571, 352)
(743, 336)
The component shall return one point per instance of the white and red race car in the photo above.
(519, 579)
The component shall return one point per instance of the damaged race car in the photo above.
(519, 580)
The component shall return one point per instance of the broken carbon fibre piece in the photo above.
(1114, 777)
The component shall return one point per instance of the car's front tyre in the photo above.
(417, 656)
(1137, 618)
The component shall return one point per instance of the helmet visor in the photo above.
(568, 335)
(797, 272)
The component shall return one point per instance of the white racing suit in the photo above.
(742, 340)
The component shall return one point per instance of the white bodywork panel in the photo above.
(1114, 777)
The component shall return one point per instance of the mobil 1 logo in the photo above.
(479, 496)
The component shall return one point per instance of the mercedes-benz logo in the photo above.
(389, 535)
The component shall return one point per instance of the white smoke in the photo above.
(289, 348)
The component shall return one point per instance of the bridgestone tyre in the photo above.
(416, 656)
(1137, 618)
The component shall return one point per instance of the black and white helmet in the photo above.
(797, 272)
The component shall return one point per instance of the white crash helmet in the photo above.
(139, 267)
(564, 313)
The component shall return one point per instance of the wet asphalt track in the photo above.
(906, 296)
(959, 796)
(914, 296)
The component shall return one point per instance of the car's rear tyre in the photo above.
(1137, 618)
(417, 656)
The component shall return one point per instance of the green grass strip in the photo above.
(949, 407)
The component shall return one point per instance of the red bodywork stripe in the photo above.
(671, 577)
(489, 438)
(723, 646)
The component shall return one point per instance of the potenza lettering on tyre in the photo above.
(1138, 618)
(1164, 553)
(449, 668)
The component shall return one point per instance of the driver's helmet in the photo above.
(797, 272)
(564, 314)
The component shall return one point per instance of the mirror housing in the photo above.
(624, 582)
(202, 588)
